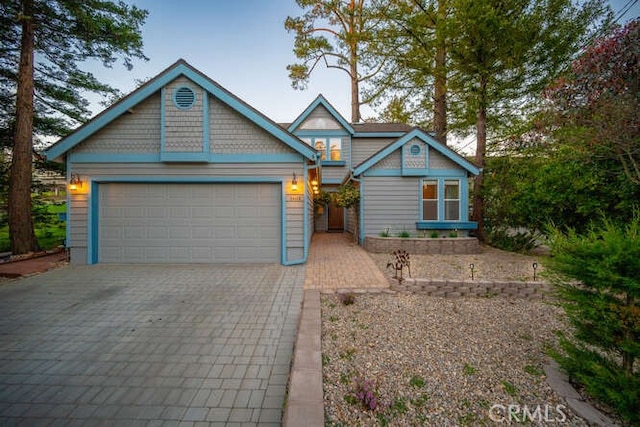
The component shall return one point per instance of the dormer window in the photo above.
(329, 148)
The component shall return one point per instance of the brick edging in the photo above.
(472, 288)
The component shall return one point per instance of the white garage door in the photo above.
(189, 223)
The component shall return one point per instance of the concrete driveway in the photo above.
(148, 345)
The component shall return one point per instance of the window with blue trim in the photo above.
(429, 200)
(451, 200)
(329, 148)
(433, 200)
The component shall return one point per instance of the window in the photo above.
(452, 200)
(322, 148)
(335, 148)
(429, 200)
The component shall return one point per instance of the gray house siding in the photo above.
(320, 118)
(438, 162)
(233, 134)
(209, 173)
(389, 202)
(137, 131)
(183, 129)
(363, 148)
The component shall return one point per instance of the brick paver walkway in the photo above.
(335, 263)
(145, 345)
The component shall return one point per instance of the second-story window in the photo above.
(329, 148)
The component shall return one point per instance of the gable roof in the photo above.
(427, 139)
(179, 68)
(320, 100)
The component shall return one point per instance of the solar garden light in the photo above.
(535, 267)
(471, 266)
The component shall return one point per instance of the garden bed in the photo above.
(423, 245)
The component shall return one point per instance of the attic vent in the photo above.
(415, 150)
(184, 97)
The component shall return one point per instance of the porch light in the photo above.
(294, 183)
(75, 182)
(314, 183)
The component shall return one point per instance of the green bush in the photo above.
(597, 278)
(507, 240)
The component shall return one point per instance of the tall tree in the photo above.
(335, 33)
(43, 41)
(504, 53)
(414, 41)
(595, 106)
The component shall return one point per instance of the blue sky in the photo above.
(242, 45)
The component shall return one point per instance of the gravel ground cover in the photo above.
(490, 264)
(410, 360)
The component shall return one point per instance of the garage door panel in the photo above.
(181, 223)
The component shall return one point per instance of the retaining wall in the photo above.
(472, 288)
(423, 245)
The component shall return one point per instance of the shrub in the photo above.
(385, 233)
(434, 235)
(597, 277)
(505, 239)
(347, 298)
(404, 234)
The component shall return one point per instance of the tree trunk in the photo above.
(481, 149)
(440, 77)
(353, 62)
(21, 233)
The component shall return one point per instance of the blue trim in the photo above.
(163, 121)
(94, 224)
(305, 215)
(206, 141)
(333, 163)
(361, 225)
(464, 200)
(378, 134)
(384, 172)
(320, 133)
(320, 100)
(94, 206)
(68, 207)
(283, 223)
(180, 68)
(170, 156)
(210, 158)
(446, 225)
(423, 173)
(329, 181)
(427, 139)
(440, 199)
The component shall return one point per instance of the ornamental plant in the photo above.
(366, 394)
(597, 278)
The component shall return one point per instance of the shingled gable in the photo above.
(179, 68)
(320, 100)
(424, 137)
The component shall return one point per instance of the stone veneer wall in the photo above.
(472, 288)
(424, 245)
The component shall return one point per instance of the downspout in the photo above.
(361, 209)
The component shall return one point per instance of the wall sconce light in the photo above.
(314, 183)
(75, 182)
(294, 183)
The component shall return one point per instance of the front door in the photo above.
(336, 218)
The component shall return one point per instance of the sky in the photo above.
(243, 46)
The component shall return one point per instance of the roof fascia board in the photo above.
(320, 100)
(416, 133)
(181, 68)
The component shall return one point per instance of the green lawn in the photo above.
(50, 235)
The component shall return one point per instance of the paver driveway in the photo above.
(148, 345)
